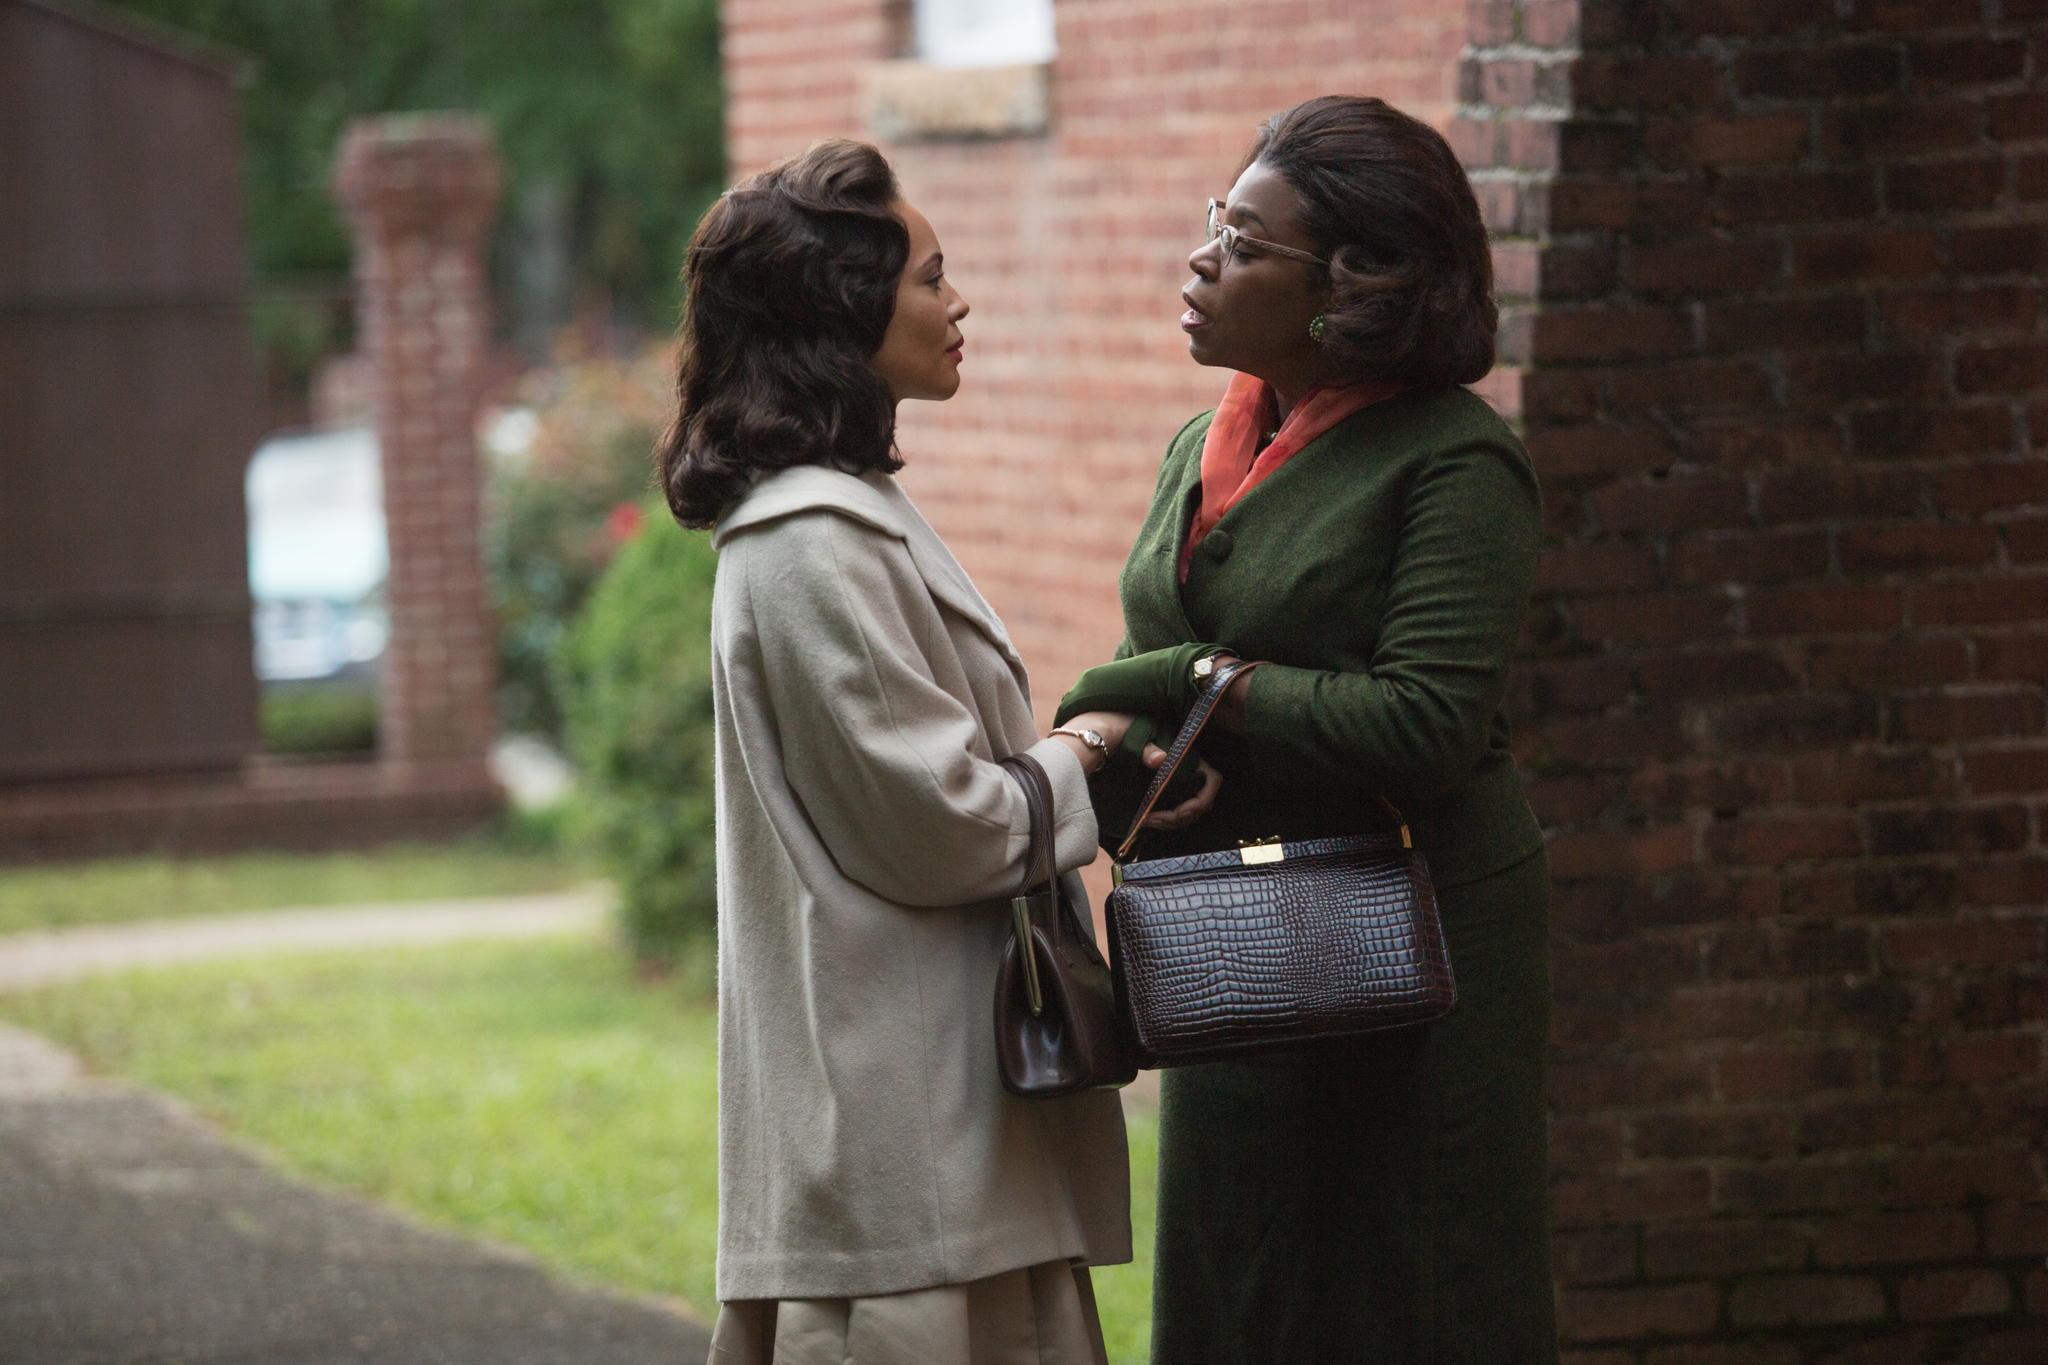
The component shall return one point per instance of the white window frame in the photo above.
(967, 35)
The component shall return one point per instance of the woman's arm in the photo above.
(1417, 719)
(882, 756)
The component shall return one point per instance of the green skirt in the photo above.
(1380, 1201)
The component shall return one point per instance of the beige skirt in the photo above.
(1040, 1315)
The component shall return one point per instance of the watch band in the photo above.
(1087, 737)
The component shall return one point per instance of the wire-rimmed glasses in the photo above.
(1231, 238)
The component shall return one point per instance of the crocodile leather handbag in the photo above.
(1057, 1029)
(1276, 945)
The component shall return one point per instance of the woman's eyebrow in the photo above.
(937, 258)
(1253, 214)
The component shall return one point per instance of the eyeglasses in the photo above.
(1232, 238)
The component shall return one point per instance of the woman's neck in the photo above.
(1284, 400)
(1291, 387)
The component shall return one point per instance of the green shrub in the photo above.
(545, 551)
(319, 720)
(559, 511)
(634, 675)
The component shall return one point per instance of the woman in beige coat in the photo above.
(882, 1199)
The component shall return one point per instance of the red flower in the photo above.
(623, 522)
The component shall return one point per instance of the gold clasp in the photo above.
(1254, 852)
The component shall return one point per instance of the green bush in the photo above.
(559, 511)
(634, 676)
(319, 720)
(545, 548)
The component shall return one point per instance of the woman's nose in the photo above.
(1202, 260)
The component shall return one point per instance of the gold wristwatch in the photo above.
(1087, 737)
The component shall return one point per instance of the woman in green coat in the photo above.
(1369, 529)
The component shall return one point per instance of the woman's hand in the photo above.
(1230, 706)
(1109, 724)
(1190, 810)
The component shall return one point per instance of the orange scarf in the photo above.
(1232, 463)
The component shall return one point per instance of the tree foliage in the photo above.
(618, 101)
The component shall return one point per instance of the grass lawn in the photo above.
(535, 1093)
(51, 895)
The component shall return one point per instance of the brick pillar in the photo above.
(421, 192)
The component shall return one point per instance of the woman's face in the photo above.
(920, 353)
(1252, 313)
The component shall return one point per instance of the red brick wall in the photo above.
(1071, 248)
(1784, 703)
(1775, 325)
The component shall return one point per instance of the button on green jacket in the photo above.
(1382, 572)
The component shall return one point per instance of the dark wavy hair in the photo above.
(1411, 273)
(788, 288)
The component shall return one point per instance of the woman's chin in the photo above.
(1202, 349)
(935, 387)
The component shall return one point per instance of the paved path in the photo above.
(49, 956)
(132, 1232)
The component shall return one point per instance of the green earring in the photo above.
(1315, 328)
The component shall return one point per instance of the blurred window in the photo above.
(980, 33)
(317, 555)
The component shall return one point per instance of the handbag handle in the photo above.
(1227, 672)
(1038, 867)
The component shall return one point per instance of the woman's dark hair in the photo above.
(788, 288)
(1411, 274)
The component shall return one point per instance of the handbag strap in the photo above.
(1227, 672)
(1039, 858)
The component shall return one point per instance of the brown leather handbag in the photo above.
(1057, 1029)
(1275, 945)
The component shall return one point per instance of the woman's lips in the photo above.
(1194, 317)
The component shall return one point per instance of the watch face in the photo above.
(1204, 667)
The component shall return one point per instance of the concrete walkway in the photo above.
(130, 1231)
(48, 957)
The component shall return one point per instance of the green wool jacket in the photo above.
(1382, 573)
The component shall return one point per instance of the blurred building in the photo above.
(128, 407)
(1775, 332)
(127, 402)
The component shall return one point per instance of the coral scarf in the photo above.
(1232, 463)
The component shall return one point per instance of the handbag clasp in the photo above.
(1020, 918)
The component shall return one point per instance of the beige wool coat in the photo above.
(868, 842)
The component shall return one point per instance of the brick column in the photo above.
(421, 192)
(1785, 379)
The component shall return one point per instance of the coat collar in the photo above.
(805, 488)
(875, 500)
